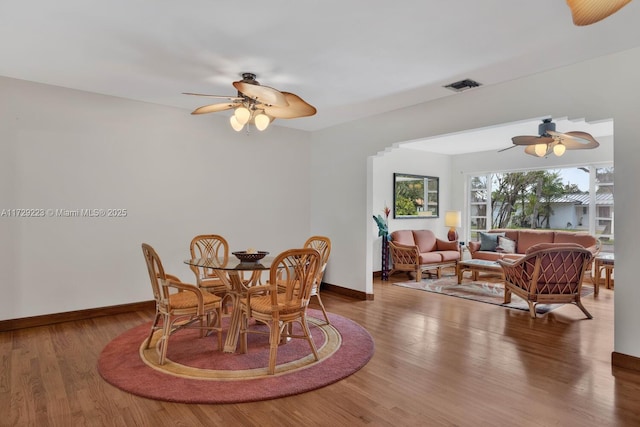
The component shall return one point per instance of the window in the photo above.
(579, 199)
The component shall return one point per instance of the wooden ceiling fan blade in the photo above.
(263, 94)
(297, 107)
(531, 140)
(229, 97)
(214, 108)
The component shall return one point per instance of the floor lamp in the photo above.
(453, 220)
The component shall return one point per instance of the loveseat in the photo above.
(513, 244)
(415, 251)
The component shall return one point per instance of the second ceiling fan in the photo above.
(549, 141)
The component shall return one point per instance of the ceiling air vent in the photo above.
(463, 85)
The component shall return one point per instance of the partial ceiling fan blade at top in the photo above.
(214, 108)
(263, 94)
(587, 12)
(531, 140)
(297, 107)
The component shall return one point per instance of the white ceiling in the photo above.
(350, 59)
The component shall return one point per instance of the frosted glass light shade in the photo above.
(242, 115)
(540, 150)
(559, 149)
(262, 121)
(587, 12)
(237, 126)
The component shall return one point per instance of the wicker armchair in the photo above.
(297, 269)
(179, 305)
(548, 274)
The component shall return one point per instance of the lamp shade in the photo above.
(587, 12)
(453, 219)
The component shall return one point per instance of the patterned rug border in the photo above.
(493, 292)
(120, 365)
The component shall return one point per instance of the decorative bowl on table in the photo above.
(245, 256)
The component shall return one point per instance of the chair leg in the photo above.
(324, 311)
(418, 275)
(154, 327)
(274, 341)
(532, 309)
(507, 295)
(584, 310)
(164, 341)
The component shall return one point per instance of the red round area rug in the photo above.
(197, 372)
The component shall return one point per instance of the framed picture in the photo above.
(415, 196)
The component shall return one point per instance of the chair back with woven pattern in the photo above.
(323, 245)
(157, 276)
(208, 246)
(294, 271)
(551, 275)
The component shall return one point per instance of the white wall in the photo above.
(596, 89)
(177, 175)
(414, 162)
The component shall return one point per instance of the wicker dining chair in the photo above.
(550, 273)
(323, 245)
(179, 305)
(211, 246)
(296, 269)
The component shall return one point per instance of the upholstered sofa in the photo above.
(513, 244)
(415, 251)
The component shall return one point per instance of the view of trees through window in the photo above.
(578, 199)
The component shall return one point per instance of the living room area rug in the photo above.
(197, 372)
(490, 291)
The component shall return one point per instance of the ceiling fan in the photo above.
(256, 104)
(549, 141)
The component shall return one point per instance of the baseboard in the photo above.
(351, 293)
(624, 361)
(48, 319)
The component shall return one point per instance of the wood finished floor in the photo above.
(439, 361)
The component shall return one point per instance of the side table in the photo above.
(603, 262)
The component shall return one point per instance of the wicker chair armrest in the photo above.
(515, 272)
(404, 254)
(174, 282)
(259, 290)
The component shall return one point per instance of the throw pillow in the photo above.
(506, 245)
(489, 241)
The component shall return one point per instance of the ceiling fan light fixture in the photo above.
(540, 150)
(587, 12)
(559, 149)
(262, 121)
(242, 115)
(235, 124)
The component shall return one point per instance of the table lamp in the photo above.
(453, 219)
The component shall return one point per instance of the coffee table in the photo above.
(476, 266)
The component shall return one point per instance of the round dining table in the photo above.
(232, 273)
